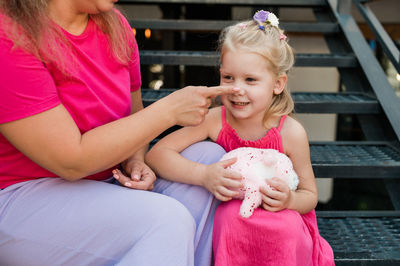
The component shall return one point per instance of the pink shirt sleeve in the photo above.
(134, 69)
(134, 64)
(26, 87)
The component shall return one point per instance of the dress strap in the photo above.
(223, 115)
(282, 120)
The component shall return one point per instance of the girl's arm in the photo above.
(165, 159)
(296, 147)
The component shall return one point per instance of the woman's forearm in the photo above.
(107, 145)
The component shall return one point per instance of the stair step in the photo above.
(306, 102)
(372, 237)
(267, 3)
(201, 58)
(339, 103)
(344, 159)
(217, 25)
(355, 159)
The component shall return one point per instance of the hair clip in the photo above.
(282, 37)
(266, 17)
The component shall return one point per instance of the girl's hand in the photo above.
(220, 181)
(141, 176)
(277, 197)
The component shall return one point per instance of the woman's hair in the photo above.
(268, 41)
(26, 23)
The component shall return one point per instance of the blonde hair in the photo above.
(27, 25)
(269, 42)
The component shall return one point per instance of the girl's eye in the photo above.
(227, 77)
(250, 79)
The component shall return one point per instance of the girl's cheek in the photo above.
(224, 99)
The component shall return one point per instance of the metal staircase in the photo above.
(358, 237)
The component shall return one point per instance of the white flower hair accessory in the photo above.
(264, 18)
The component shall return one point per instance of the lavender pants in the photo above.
(51, 221)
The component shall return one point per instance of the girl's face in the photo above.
(251, 73)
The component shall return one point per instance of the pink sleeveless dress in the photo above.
(266, 238)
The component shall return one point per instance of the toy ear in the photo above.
(280, 84)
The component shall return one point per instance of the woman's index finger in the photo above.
(214, 91)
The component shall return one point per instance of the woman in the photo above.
(70, 110)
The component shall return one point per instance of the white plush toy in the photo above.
(256, 166)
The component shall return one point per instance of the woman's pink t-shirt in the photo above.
(96, 93)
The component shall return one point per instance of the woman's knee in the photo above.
(178, 216)
(163, 213)
(206, 152)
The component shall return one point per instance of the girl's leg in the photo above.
(199, 201)
(55, 222)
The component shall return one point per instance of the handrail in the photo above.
(381, 35)
(373, 71)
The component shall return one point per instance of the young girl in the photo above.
(255, 58)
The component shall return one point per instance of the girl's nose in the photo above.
(240, 91)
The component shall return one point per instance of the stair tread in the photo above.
(353, 159)
(356, 236)
(207, 58)
(306, 102)
(363, 153)
(217, 25)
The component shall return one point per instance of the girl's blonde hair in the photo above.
(28, 26)
(269, 42)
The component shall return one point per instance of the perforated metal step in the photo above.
(218, 25)
(368, 236)
(352, 159)
(306, 102)
(355, 159)
(200, 58)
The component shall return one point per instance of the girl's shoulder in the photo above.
(292, 132)
(213, 121)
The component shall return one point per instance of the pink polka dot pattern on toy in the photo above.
(256, 166)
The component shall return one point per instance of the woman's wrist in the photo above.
(166, 111)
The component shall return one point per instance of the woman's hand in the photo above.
(141, 176)
(190, 104)
(276, 197)
(220, 181)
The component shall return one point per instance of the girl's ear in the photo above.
(280, 84)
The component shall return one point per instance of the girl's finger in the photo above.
(269, 208)
(226, 182)
(228, 162)
(232, 174)
(221, 197)
(270, 202)
(227, 192)
(269, 192)
(277, 184)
